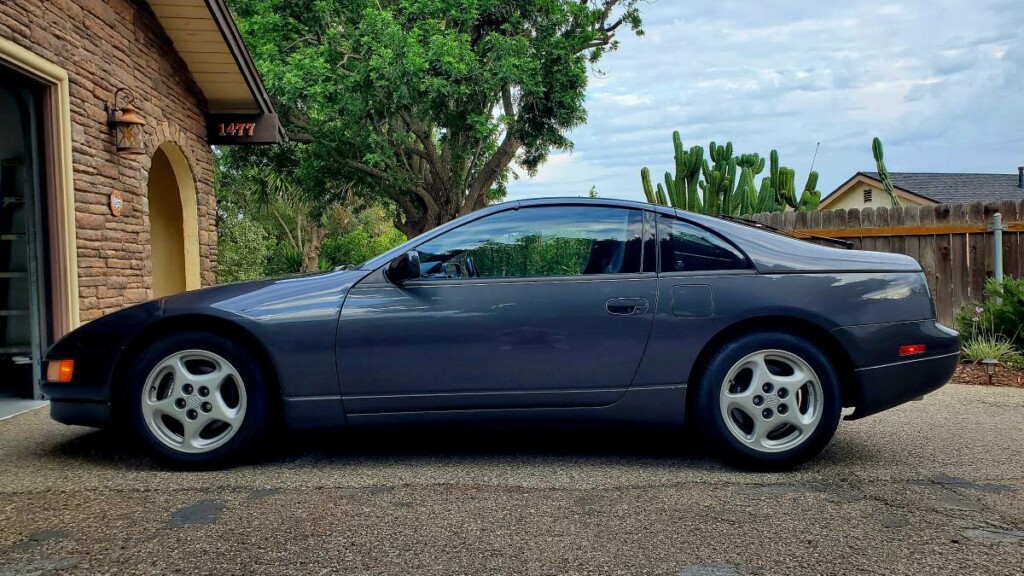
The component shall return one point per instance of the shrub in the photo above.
(243, 249)
(1002, 314)
(284, 260)
(978, 348)
(1005, 308)
(358, 245)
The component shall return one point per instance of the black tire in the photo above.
(710, 422)
(258, 401)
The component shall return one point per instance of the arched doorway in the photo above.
(173, 226)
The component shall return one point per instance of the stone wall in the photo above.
(106, 45)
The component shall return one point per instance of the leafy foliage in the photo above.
(284, 260)
(366, 239)
(425, 103)
(981, 347)
(272, 184)
(1001, 316)
(244, 247)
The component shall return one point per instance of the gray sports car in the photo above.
(557, 309)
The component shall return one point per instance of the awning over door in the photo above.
(205, 36)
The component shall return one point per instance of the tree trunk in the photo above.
(311, 248)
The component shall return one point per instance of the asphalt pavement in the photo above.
(933, 487)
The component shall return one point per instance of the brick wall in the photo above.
(106, 45)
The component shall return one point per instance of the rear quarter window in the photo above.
(688, 248)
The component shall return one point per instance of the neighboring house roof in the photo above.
(205, 36)
(954, 188)
(944, 187)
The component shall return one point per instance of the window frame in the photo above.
(605, 277)
(690, 273)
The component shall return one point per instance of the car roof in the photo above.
(768, 251)
(581, 201)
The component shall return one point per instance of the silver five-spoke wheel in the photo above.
(771, 400)
(193, 401)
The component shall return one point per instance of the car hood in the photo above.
(261, 297)
(311, 296)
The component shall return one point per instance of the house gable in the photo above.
(864, 191)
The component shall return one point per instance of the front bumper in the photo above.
(92, 414)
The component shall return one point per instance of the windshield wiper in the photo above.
(755, 224)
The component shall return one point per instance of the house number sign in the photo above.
(240, 129)
(243, 129)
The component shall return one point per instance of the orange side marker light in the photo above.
(60, 371)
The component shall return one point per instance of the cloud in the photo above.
(938, 80)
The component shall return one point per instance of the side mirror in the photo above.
(405, 267)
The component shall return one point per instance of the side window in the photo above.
(689, 248)
(538, 242)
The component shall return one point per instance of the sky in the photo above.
(941, 82)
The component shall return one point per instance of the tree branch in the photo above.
(427, 141)
(609, 29)
(500, 160)
(506, 102)
(287, 231)
(428, 200)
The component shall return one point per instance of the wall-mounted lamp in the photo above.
(126, 123)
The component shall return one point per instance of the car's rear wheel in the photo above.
(197, 399)
(769, 400)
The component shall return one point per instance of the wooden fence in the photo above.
(951, 241)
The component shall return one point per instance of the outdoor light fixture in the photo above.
(990, 367)
(126, 123)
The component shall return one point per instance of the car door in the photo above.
(701, 279)
(537, 306)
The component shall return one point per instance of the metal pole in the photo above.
(997, 236)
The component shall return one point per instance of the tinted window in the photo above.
(688, 248)
(538, 242)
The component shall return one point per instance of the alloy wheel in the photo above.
(771, 401)
(193, 401)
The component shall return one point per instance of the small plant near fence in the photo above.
(993, 329)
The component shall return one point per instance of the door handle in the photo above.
(627, 306)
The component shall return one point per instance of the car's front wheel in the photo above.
(769, 400)
(197, 399)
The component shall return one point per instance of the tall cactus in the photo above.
(783, 181)
(746, 193)
(682, 189)
(810, 198)
(719, 181)
(726, 184)
(883, 174)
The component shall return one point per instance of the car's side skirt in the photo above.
(482, 400)
(654, 405)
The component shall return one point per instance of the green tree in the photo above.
(427, 102)
(361, 237)
(243, 248)
(292, 200)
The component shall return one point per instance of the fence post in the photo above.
(997, 249)
(997, 252)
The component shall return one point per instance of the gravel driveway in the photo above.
(932, 487)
